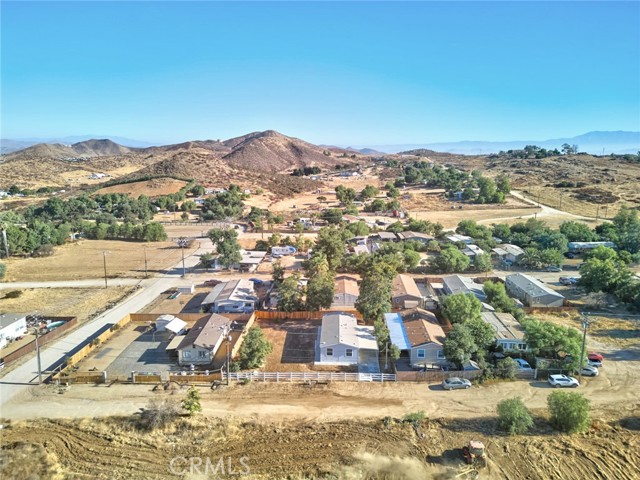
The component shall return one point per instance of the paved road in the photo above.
(18, 379)
(88, 283)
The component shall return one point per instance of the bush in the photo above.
(158, 414)
(507, 368)
(414, 417)
(513, 416)
(569, 411)
(255, 349)
(13, 294)
(192, 403)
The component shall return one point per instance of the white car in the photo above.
(589, 371)
(563, 381)
(455, 382)
(523, 364)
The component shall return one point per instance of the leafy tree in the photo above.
(333, 216)
(483, 334)
(375, 293)
(461, 307)
(395, 227)
(192, 403)
(627, 224)
(555, 240)
(255, 349)
(603, 272)
(507, 368)
(206, 259)
(501, 231)
(569, 411)
(503, 184)
(225, 241)
(514, 417)
(411, 259)
(345, 195)
(378, 205)
(369, 192)
(277, 273)
(290, 294)
(451, 260)
(197, 190)
(330, 242)
(321, 285)
(577, 232)
(359, 229)
(482, 262)
(498, 298)
(553, 341)
(459, 345)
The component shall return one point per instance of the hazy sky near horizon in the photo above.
(358, 73)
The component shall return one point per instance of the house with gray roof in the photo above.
(236, 296)
(509, 332)
(454, 284)
(532, 292)
(343, 342)
(202, 341)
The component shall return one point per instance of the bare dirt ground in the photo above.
(84, 259)
(150, 188)
(293, 345)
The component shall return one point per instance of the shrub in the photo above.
(569, 411)
(192, 403)
(513, 416)
(414, 417)
(13, 294)
(255, 349)
(507, 368)
(158, 414)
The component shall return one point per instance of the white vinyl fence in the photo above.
(310, 376)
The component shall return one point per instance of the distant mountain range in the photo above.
(8, 145)
(597, 143)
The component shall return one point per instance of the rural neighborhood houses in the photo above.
(419, 336)
(509, 253)
(405, 293)
(200, 344)
(455, 284)
(346, 293)
(509, 332)
(532, 292)
(342, 341)
(236, 296)
(12, 325)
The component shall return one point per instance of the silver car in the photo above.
(589, 371)
(455, 382)
(563, 381)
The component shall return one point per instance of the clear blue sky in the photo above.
(343, 73)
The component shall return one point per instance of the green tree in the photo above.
(375, 294)
(255, 349)
(553, 341)
(627, 226)
(451, 260)
(569, 411)
(331, 242)
(369, 192)
(461, 307)
(378, 205)
(578, 232)
(507, 368)
(290, 294)
(277, 273)
(483, 334)
(550, 256)
(333, 216)
(321, 285)
(498, 298)
(503, 184)
(482, 262)
(192, 403)
(514, 417)
(459, 345)
(359, 229)
(184, 216)
(225, 241)
(345, 195)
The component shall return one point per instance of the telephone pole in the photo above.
(585, 325)
(146, 274)
(182, 242)
(104, 262)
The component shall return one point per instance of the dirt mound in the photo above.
(118, 448)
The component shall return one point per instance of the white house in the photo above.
(200, 344)
(12, 325)
(454, 284)
(236, 296)
(508, 252)
(472, 251)
(456, 238)
(509, 332)
(343, 342)
(532, 292)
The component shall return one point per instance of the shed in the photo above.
(186, 289)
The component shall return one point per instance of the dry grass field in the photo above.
(84, 259)
(150, 188)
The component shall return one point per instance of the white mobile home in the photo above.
(343, 342)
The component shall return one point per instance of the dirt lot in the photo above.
(84, 259)
(293, 345)
(150, 188)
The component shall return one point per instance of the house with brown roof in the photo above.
(346, 293)
(405, 293)
(202, 341)
(418, 334)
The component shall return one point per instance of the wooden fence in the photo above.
(196, 379)
(310, 376)
(276, 315)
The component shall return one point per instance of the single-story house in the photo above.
(248, 263)
(236, 296)
(456, 238)
(418, 333)
(202, 341)
(12, 325)
(509, 332)
(508, 252)
(358, 249)
(532, 292)
(405, 293)
(454, 284)
(417, 236)
(342, 341)
(346, 293)
(471, 251)
(577, 247)
(385, 236)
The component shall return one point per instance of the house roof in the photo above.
(459, 284)
(233, 291)
(397, 333)
(505, 325)
(343, 329)
(459, 238)
(206, 332)
(414, 236)
(176, 325)
(472, 250)
(252, 257)
(347, 285)
(386, 236)
(405, 285)
(530, 285)
(357, 249)
(7, 319)
(506, 248)
(499, 251)
(421, 327)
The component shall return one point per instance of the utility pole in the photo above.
(597, 212)
(146, 274)
(182, 242)
(38, 319)
(386, 356)
(585, 324)
(104, 262)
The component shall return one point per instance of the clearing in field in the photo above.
(84, 259)
(151, 188)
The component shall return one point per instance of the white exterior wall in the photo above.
(339, 355)
(16, 329)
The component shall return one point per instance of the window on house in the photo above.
(202, 354)
(329, 352)
(186, 354)
(349, 352)
(522, 346)
(440, 354)
(421, 353)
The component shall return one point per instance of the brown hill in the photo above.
(99, 148)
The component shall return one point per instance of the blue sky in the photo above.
(344, 73)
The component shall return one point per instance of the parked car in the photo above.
(211, 283)
(563, 381)
(594, 363)
(553, 268)
(256, 281)
(570, 255)
(523, 364)
(589, 371)
(595, 356)
(455, 382)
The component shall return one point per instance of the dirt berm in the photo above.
(384, 448)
